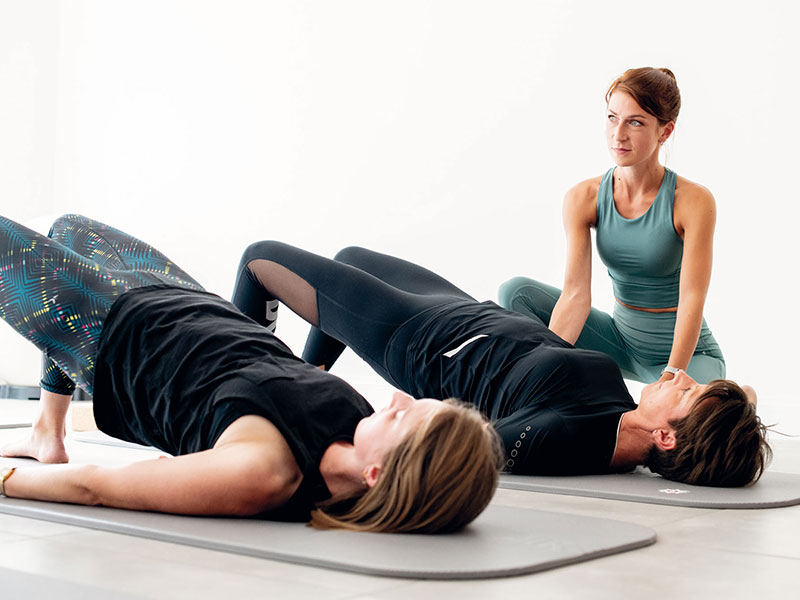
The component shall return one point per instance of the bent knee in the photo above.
(69, 219)
(511, 289)
(351, 254)
(264, 249)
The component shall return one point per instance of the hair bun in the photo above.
(655, 90)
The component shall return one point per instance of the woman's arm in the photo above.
(572, 309)
(248, 471)
(695, 219)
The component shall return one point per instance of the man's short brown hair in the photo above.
(721, 442)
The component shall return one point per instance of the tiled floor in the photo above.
(700, 553)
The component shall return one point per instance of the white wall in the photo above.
(28, 57)
(443, 131)
(28, 102)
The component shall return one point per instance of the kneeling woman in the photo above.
(255, 430)
(654, 232)
(559, 410)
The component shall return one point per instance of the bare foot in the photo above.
(44, 447)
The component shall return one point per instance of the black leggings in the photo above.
(56, 291)
(359, 300)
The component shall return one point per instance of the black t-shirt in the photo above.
(175, 367)
(556, 408)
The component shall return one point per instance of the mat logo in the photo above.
(673, 491)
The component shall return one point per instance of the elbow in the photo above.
(245, 508)
(264, 493)
(256, 503)
(577, 300)
(576, 290)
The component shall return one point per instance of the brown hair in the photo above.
(655, 90)
(438, 479)
(721, 442)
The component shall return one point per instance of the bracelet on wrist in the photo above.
(4, 475)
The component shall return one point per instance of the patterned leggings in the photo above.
(56, 291)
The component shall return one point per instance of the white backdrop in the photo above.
(443, 131)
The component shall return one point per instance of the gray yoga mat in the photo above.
(771, 491)
(503, 541)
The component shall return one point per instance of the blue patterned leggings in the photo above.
(56, 291)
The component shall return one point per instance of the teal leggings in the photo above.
(640, 342)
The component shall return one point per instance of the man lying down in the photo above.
(559, 410)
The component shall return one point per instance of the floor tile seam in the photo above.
(339, 591)
(795, 558)
(43, 536)
(335, 593)
(411, 583)
(112, 589)
(12, 537)
(723, 513)
(686, 544)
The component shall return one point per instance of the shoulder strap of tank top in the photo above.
(605, 196)
(666, 195)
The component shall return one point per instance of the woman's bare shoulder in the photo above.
(584, 190)
(691, 196)
(580, 202)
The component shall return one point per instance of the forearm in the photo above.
(569, 316)
(57, 483)
(250, 470)
(695, 214)
(688, 323)
(138, 487)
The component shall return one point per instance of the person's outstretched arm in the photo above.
(573, 306)
(249, 470)
(696, 218)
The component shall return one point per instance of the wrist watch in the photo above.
(673, 370)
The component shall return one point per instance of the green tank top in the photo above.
(643, 255)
